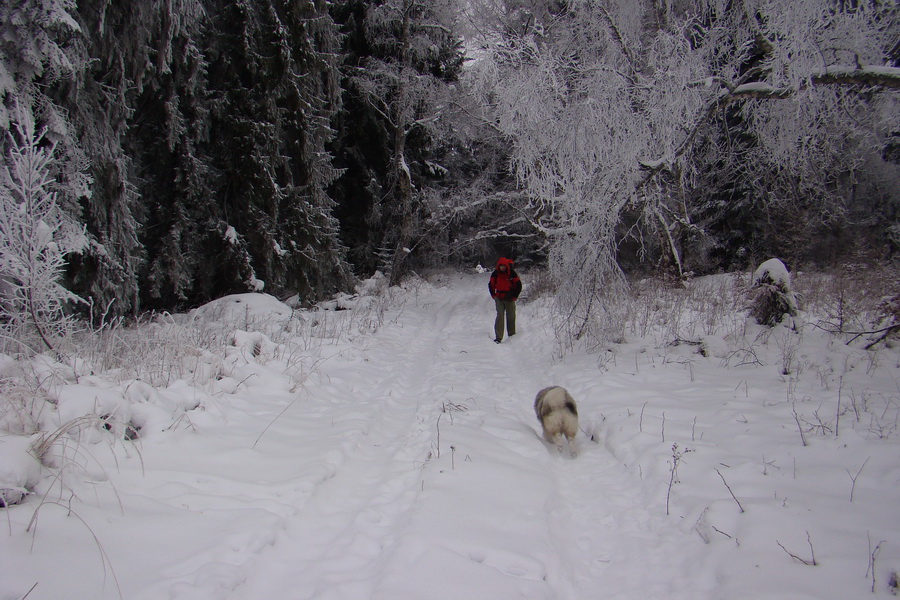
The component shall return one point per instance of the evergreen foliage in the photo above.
(273, 87)
(237, 186)
(203, 125)
(35, 237)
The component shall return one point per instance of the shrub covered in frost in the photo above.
(773, 296)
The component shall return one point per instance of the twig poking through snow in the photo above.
(853, 478)
(799, 427)
(438, 426)
(30, 590)
(729, 490)
(278, 416)
(676, 460)
(873, 554)
(837, 419)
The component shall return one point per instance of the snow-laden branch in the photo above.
(887, 77)
(618, 114)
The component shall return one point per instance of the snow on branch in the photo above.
(887, 77)
(759, 90)
(868, 75)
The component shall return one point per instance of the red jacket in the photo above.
(505, 285)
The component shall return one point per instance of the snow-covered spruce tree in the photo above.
(182, 229)
(38, 51)
(83, 64)
(403, 56)
(273, 87)
(35, 237)
(40, 54)
(605, 105)
(113, 44)
(773, 295)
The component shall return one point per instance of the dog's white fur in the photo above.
(558, 414)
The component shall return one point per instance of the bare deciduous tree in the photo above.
(607, 106)
(398, 86)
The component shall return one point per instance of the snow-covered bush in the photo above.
(774, 298)
(35, 237)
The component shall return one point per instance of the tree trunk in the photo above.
(402, 179)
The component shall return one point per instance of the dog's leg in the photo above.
(573, 451)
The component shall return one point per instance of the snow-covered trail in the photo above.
(440, 484)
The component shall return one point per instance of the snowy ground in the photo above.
(391, 451)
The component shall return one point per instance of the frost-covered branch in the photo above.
(34, 239)
(887, 77)
(608, 122)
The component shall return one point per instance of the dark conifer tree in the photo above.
(95, 102)
(168, 138)
(272, 92)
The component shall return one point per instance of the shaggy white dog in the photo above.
(556, 411)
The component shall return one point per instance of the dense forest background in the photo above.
(203, 147)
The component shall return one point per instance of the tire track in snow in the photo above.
(342, 535)
(608, 525)
(589, 521)
(479, 528)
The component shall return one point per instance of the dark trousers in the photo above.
(506, 311)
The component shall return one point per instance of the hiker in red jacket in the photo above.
(505, 287)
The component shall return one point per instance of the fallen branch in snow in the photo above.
(811, 562)
(884, 331)
(717, 530)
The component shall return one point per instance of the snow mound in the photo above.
(772, 271)
(20, 471)
(242, 306)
